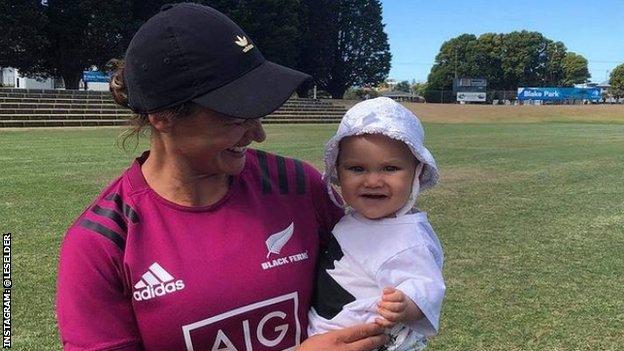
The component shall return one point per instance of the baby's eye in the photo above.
(356, 169)
(391, 169)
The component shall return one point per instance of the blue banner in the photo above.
(558, 94)
(95, 76)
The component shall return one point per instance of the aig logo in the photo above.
(267, 325)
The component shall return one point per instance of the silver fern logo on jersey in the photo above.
(156, 282)
(276, 242)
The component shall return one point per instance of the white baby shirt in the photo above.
(364, 256)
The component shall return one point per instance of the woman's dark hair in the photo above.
(139, 122)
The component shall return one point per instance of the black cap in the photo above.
(189, 52)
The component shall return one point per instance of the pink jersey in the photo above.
(138, 272)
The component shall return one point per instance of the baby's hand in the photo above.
(396, 307)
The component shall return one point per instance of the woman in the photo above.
(202, 244)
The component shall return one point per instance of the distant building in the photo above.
(604, 86)
(10, 77)
(402, 96)
(387, 85)
(94, 86)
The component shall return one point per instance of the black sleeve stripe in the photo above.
(264, 168)
(100, 229)
(300, 177)
(125, 209)
(281, 174)
(130, 213)
(108, 213)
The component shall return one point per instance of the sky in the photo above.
(416, 29)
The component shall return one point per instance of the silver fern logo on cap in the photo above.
(242, 42)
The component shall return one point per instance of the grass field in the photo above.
(529, 210)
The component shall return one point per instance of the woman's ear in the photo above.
(163, 123)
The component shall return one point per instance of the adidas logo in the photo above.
(155, 282)
(242, 42)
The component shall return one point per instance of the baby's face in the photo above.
(376, 174)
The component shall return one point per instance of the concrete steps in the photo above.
(122, 122)
(28, 117)
(66, 123)
(18, 108)
(62, 108)
(60, 111)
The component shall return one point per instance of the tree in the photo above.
(419, 88)
(525, 60)
(360, 49)
(69, 36)
(574, 69)
(21, 25)
(317, 40)
(273, 25)
(452, 60)
(66, 37)
(616, 80)
(360, 94)
(403, 86)
(507, 61)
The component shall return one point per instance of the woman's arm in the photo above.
(365, 337)
(93, 308)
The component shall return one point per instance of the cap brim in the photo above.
(255, 94)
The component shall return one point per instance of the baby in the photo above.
(383, 245)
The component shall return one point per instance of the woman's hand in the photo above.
(396, 307)
(364, 337)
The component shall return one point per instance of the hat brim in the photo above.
(255, 94)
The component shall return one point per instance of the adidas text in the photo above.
(153, 291)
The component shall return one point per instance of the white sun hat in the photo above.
(383, 116)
